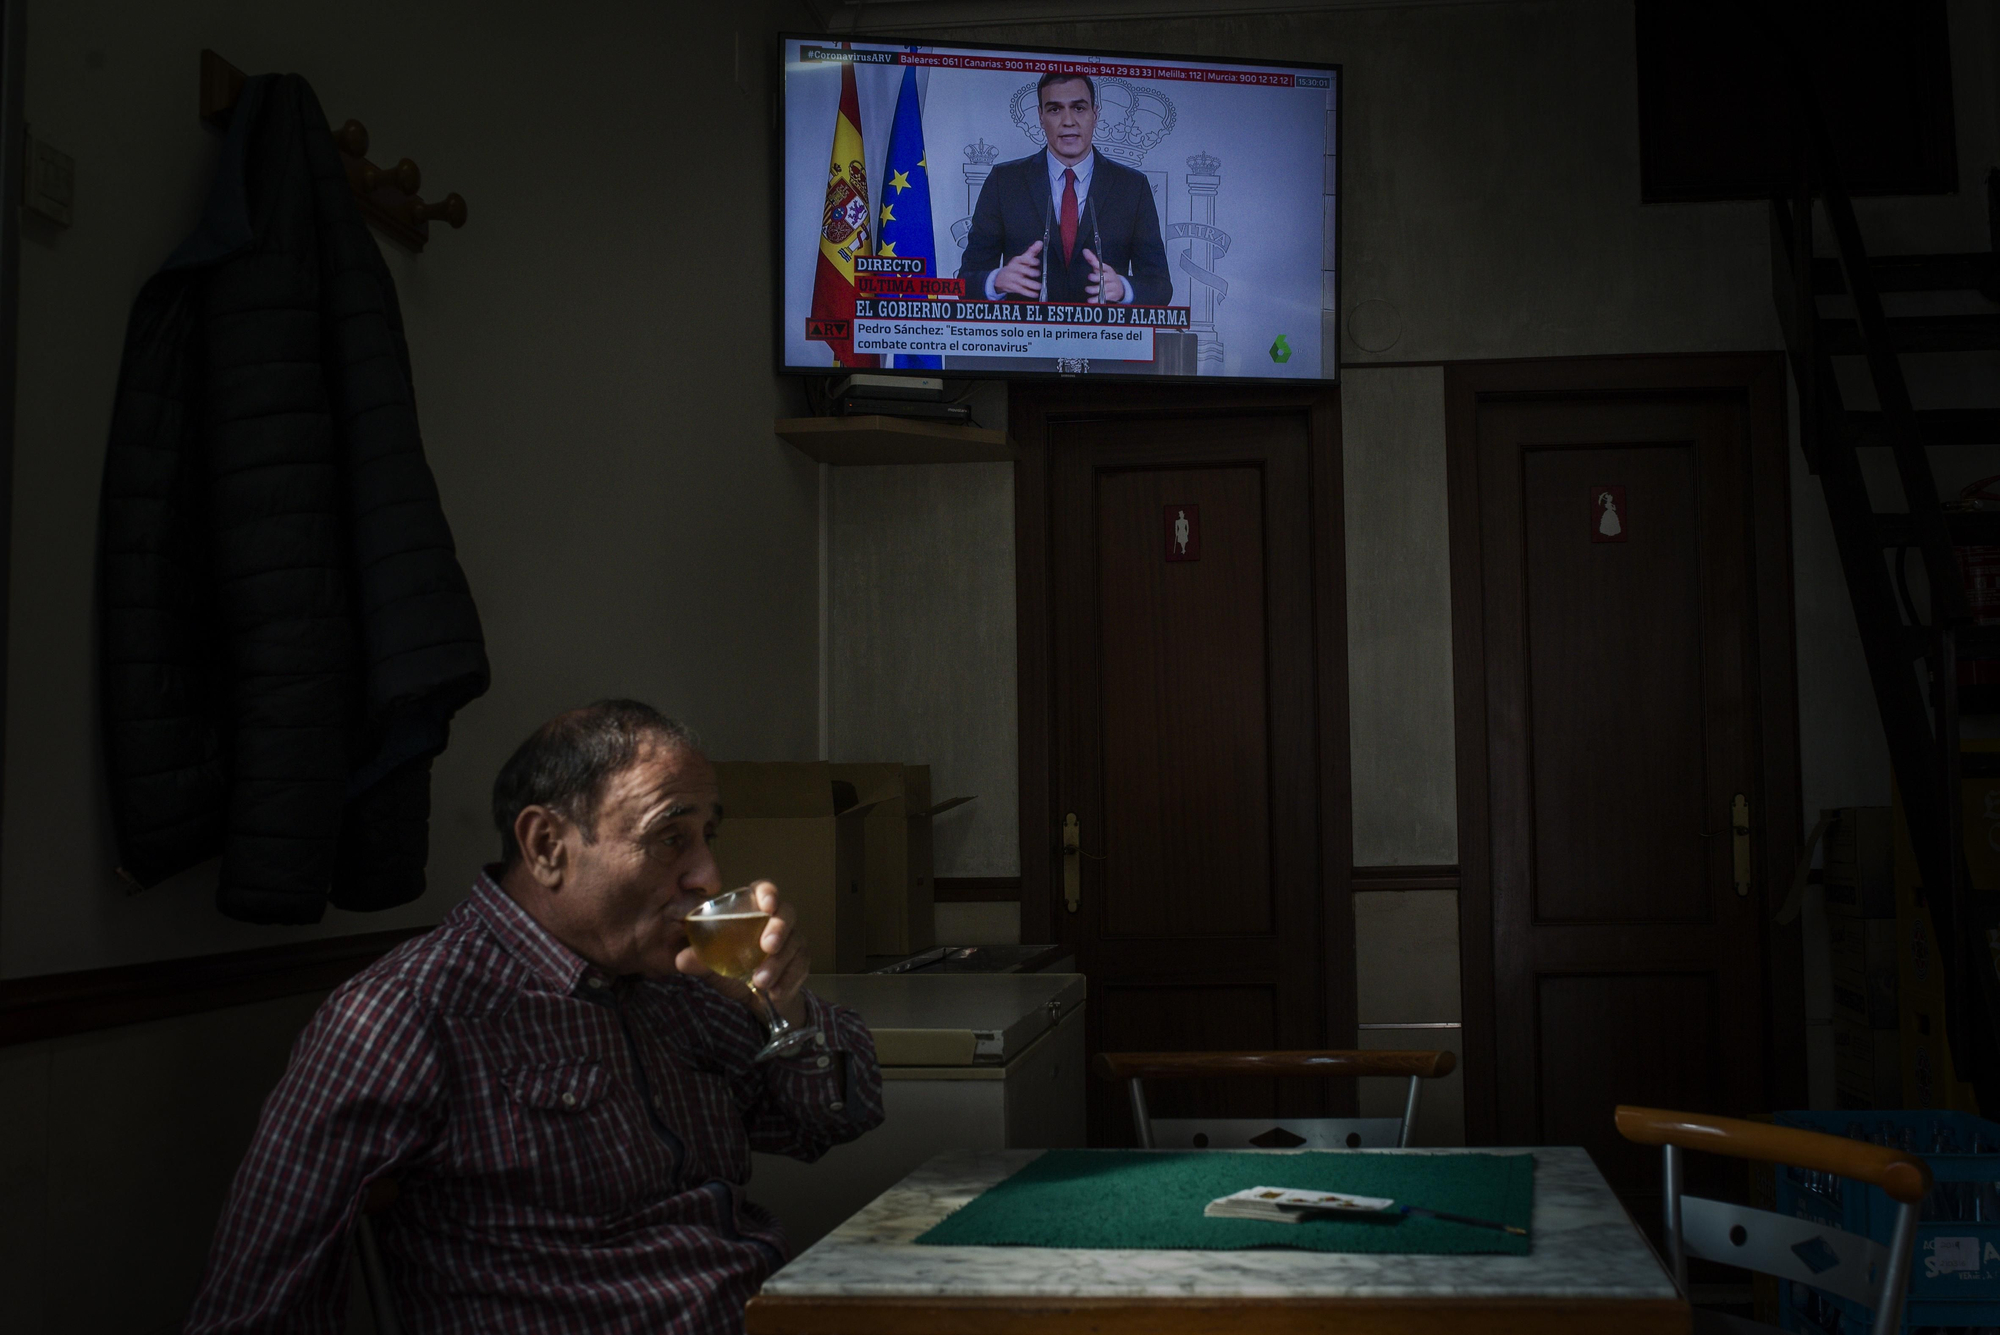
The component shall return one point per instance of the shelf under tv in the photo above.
(893, 440)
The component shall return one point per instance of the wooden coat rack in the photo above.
(387, 196)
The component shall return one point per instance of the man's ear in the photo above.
(539, 831)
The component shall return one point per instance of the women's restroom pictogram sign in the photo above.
(1608, 516)
(1183, 524)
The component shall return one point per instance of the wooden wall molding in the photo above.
(1405, 878)
(56, 1004)
(1007, 889)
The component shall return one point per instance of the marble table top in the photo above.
(1585, 1247)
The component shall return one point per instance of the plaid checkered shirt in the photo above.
(571, 1148)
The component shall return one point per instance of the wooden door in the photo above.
(1183, 722)
(1621, 574)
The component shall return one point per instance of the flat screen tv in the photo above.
(986, 212)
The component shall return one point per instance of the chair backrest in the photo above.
(1135, 1068)
(1805, 1252)
(381, 1194)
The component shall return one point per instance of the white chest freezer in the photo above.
(969, 1061)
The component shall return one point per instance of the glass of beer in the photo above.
(727, 932)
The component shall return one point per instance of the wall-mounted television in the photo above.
(988, 212)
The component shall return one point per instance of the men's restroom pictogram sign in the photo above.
(1183, 525)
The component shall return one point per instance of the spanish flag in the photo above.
(844, 232)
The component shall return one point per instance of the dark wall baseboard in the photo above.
(73, 1003)
(1001, 889)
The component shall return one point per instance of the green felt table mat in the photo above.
(1151, 1199)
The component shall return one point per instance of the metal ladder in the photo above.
(1912, 659)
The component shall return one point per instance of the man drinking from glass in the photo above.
(566, 1097)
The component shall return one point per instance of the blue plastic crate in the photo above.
(1812, 1318)
(1955, 1274)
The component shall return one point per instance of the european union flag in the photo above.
(906, 200)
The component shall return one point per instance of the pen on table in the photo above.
(1464, 1219)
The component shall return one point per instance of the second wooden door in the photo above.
(1620, 714)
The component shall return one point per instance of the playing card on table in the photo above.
(1289, 1205)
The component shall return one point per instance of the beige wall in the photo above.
(921, 652)
(597, 411)
(1399, 617)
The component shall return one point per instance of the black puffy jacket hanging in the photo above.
(286, 629)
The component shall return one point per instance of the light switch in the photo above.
(50, 188)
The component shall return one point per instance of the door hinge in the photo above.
(1739, 826)
(1072, 862)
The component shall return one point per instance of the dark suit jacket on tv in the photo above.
(1014, 212)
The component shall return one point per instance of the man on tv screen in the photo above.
(1067, 217)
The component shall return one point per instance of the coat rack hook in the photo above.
(404, 176)
(450, 209)
(352, 139)
(387, 197)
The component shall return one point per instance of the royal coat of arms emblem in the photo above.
(846, 204)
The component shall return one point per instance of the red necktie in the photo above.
(1069, 214)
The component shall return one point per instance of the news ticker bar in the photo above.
(1063, 313)
(1001, 328)
(1095, 68)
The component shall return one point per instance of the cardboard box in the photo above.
(793, 824)
(1929, 1078)
(1860, 864)
(898, 865)
(1867, 1066)
(1982, 815)
(1862, 952)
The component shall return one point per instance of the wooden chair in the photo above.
(381, 1195)
(1800, 1250)
(1266, 1132)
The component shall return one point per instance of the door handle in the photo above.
(1072, 846)
(1739, 827)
